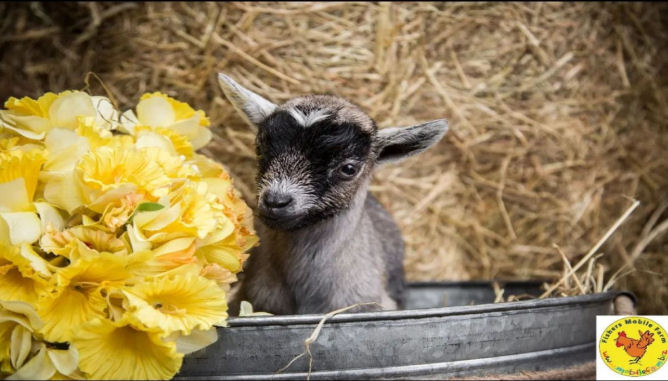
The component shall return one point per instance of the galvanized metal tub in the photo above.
(425, 340)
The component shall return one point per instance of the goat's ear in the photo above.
(398, 143)
(251, 106)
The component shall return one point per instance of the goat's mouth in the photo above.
(292, 221)
(280, 220)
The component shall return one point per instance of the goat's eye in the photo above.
(348, 170)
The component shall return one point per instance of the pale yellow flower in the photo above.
(18, 322)
(236, 210)
(23, 274)
(222, 276)
(68, 107)
(62, 190)
(65, 148)
(165, 139)
(151, 227)
(117, 350)
(28, 117)
(19, 173)
(181, 302)
(100, 137)
(117, 213)
(82, 241)
(110, 168)
(159, 110)
(125, 245)
(76, 297)
(207, 167)
(173, 166)
(187, 211)
(33, 118)
(198, 209)
(181, 144)
(49, 363)
(228, 253)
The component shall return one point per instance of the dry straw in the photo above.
(558, 114)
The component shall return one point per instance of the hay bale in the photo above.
(558, 112)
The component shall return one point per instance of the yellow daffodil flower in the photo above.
(16, 315)
(19, 172)
(23, 274)
(33, 118)
(76, 297)
(157, 110)
(117, 350)
(110, 168)
(119, 247)
(177, 303)
(82, 241)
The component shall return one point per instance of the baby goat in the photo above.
(325, 242)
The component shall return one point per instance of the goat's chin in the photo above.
(282, 224)
(294, 222)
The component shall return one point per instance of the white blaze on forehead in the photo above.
(310, 118)
(339, 109)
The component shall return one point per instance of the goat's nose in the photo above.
(276, 200)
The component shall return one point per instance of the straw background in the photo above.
(558, 113)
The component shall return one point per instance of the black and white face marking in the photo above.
(307, 171)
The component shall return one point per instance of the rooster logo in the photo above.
(635, 347)
(634, 355)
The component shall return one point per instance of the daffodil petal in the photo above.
(157, 220)
(24, 227)
(189, 128)
(36, 262)
(66, 361)
(4, 233)
(37, 368)
(21, 342)
(33, 124)
(67, 108)
(201, 138)
(27, 316)
(152, 139)
(106, 114)
(226, 258)
(49, 216)
(174, 245)
(62, 191)
(128, 122)
(65, 149)
(197, 340)
(13, 196)
(137, 240)
(101, 201)
(155, 112)
(119, 351)
(179, 302)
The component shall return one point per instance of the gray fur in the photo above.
(353, 254)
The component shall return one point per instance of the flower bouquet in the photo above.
(118, 242)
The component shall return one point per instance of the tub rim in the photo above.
(256, 321)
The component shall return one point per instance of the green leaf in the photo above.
(149, 207)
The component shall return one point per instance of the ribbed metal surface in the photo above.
(441, 342)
